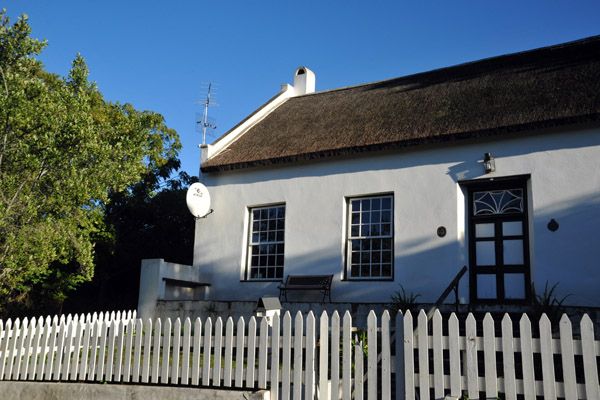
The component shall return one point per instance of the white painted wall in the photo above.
(565, 185)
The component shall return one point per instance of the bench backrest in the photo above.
(306, 281)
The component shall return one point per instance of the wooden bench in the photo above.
(321, 283)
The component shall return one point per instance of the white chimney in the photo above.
(304, 81)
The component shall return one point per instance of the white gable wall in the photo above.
(564, 186)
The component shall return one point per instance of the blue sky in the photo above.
(156, 54)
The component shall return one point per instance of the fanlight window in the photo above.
(498, 202)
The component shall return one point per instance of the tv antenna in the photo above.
(203, 121)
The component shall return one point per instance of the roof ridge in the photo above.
(577, 42)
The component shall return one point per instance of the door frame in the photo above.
(500, 183)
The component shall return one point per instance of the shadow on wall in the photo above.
(569, 256)
(458, 154)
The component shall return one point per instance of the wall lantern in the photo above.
(489, 163)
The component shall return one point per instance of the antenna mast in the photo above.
(205, 121)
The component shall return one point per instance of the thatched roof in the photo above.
(547, 87)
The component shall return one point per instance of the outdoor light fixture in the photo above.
(489, 163)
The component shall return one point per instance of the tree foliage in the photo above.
(149, 220)
(63, 151)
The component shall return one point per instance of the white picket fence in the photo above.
(321, 358)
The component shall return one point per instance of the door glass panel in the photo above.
(513, 228)
(513, 252)
(486, 254)
(486, 286)
(484, 230)
(514, 286)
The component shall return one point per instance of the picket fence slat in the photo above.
(423, 345)
(197, 346)
(590, 350)
(156, 351)
(4, 336)
(359, 381)
(128, 351)
(118, 374)
(185, 351)
(547, 358)
(262, 354)
(347, 356)
(438, 356)
(508, 356)
(227, 374)
(489, 355)
(275, 348)
(310, 356)
(409, 363)
(286, 363)
(251, 348)
(217, 349)
(529, 389)
(372, 355)
(454, 353)
(386, 378)
(335, 355)
(399, 361)
(175, 352)
(298, 333)
(309, 367)
(239, 353)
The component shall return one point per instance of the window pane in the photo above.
(376, 217)
(514, 228)
(376, 204)
(386, 216)
(355, 218)
(366, 217)
(386, 270)
(366, 205)
(281, 212)
(386, 256)
(354, 232)
(365, 270)
(376, 257)
(364, 230)
(386, 203)
(375, 230)
(355, 205)
(355, 271)
(386, 229)
(486, 286)
(514, 286)
(375, 270)
(376, 244)
(484, 230)
(485, 253)
(513, 252)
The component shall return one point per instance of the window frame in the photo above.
(250, 244)
(349, 237)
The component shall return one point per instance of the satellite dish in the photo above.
(198, 200)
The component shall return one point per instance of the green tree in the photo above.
(63, 150)
(149, 220)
